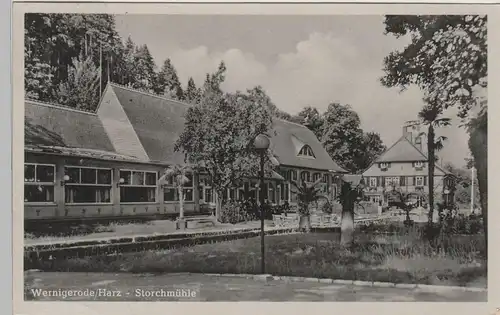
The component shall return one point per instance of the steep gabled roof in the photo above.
(157, 121)
(402, 151)
(287, 138)
(58, 126)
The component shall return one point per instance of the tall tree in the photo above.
(478, 145)
(214, 81)
(81, 88)
(342, 135)
(56, 39)
(145, 76)
(192, 94)
(447, 60)
(128, 65)
(38, 77)
(312, 119)
(218, 136)
(372, 147)
(430, 116)
(168, 83)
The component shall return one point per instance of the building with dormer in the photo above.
(404, 166)
(107, 163)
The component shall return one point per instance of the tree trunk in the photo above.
(304, 223)
(478, 145)
(347, 224)
(218, 204)
(181, 202)
(432, 162)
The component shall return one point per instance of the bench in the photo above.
(194, 222)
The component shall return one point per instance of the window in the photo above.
(325, 178)
(418, 140)
(316, 177)
(419, 164)
(373, 182)
(87, 185)
(392, 181)
(284, 191)
(171, 192)
(209, 195)
(138, 186)
(306, 151)
(293, 175)
(305, 176)
(241, 193)
(419, 181)
(271, 195)
(384, 165)
(39, 181)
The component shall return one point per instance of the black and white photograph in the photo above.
(255, 157)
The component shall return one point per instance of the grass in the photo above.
(403, 258)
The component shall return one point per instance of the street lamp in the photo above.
(446, 196)
(261, 144)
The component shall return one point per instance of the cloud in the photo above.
(321, 69)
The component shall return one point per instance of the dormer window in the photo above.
(306, 151)
(419, 164)
(384, 165)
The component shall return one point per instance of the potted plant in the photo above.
(307, 193)
(177, 175)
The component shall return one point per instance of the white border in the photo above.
(245, 307)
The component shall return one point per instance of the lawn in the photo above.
(402, 258)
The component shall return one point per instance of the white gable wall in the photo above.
(118, 126)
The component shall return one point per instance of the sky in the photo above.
(298, 60)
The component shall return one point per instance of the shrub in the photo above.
(327, 207)
(451, 222)
(235, 212)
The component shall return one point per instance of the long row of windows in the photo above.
(291, 175)
(249, 191)
(91, 185)
(383, 181)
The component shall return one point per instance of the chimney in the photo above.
(407, 132)
(418, 142)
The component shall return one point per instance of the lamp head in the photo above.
(261, 142)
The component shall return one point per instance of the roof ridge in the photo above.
(290, 122)
(418, 150)
(148, 94)
(59, 106)
(388, 149)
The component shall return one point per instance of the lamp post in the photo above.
(261, 144)
(446, 196)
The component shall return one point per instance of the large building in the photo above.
(107, 163)
(404, 166)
